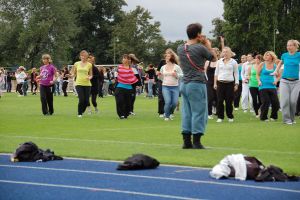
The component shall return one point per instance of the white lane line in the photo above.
(154, 177)
(87, 140)
(147, 144)
(98, 189)
(118, 161)
(132, 128)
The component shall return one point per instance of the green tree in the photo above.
(96, 29)
(249, 24)
(39, 27)
(217, 31)
(11, 23)
(138, 34)
(288, 23)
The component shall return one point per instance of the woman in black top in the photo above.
(95, 85)
(210, 68)
(66, 75)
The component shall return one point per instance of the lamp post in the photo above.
(275, 32)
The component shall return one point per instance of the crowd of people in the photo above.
(205, 77)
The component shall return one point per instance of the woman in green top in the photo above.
(253, 83)
(82, 70)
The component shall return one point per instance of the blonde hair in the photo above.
(174, 57)
(84, 52)
(47, 56)
(296, 43)
(272, 54)
(230, 51)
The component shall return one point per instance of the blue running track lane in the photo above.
(79, 179)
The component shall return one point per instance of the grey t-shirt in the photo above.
(198, 54)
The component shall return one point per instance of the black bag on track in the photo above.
(29, 152)
(273, 173)
(139, 161)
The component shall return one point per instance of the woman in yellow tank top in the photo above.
(82, 70)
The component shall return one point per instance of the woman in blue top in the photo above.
(289, 84)
(267, 86)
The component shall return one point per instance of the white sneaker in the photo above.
(171, 116)
(266, 120)
(220, 120)
(245, 111)
(251, 111)
(161, 115)
(230, 120)
(89, 111)
(289, 123)
(79, 116)
(214, 110)
(236, 109)
(271, 119)
(210, 117)
(294, 122)
(167, 119)
(257, 116)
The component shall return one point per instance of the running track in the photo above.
(79, 179)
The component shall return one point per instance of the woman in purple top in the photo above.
(46, 79)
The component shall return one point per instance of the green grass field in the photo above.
(104, 136)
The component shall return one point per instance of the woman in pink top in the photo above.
(46, 80)
(170, 74)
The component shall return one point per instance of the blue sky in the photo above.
(175, 15)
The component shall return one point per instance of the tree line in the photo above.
(63, 28)
(252, 25)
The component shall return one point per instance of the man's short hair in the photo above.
(192, 30)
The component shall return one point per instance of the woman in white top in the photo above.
(20, 77)
(170, 74)
(226, 83)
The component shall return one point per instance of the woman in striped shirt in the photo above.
(125, 80)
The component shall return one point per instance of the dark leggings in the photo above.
(269, 97)
(83, 96)
(237, 95)
(33, 87)
(64, 88)
(211, 97)
(161, 101)
(225, 92)
(255, 98)
(123, 101)
(132, 98)
(93, 100)
(19, 88)
(46, 99)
